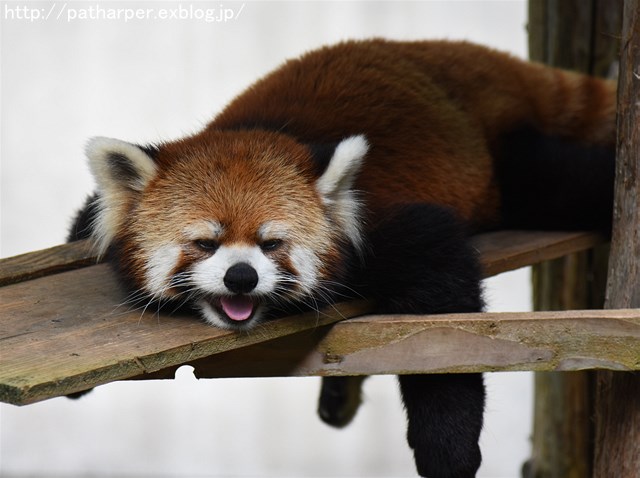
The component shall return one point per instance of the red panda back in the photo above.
(432, 112)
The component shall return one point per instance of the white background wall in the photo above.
(143, 80)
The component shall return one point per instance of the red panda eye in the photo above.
(271, 245)
(207, 245)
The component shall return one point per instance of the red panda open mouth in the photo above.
(237, 308)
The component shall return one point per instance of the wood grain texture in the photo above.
(623, 287)
(46, 262)
(504, 251)
(452, 343)
(617, 451)
(66, 333)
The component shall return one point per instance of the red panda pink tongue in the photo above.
(238, 307)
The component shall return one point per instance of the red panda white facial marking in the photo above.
(237, 299)
(159, 268)
(234, 227)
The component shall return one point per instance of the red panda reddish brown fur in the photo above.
(432, 111)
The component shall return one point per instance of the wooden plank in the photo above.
(504, 251)
(46, 262)
(71, 331)
(485, 342)
(617, 437)
(65, 333)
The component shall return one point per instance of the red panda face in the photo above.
(234, 226)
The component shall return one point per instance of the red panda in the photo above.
(359, 170)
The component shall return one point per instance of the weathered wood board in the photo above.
(73, 330)
(46, 262)
(504, 251)
(452, 343)
(66, 333)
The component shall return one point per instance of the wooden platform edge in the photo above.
(45, 262)
(23, 390)
(503, 251)
(452, 343)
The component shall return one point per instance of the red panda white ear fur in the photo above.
(121, 170)
(336, 183)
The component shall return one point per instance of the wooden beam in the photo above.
(451, 343)
(70, 332)
(504, 251)
(46, 262)
(617, 450)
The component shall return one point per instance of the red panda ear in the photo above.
(335, 185)
(343, 167)
(117, 164)
(122, 170)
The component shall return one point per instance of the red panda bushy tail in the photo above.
(574, 106)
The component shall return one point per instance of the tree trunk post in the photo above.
(617, 445)
(580, 35)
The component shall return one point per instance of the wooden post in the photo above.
(617, 451)
(580, 35)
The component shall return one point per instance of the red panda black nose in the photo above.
(241, 278)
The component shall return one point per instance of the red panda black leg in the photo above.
(340, 398)
(445, 420)
(421, 262)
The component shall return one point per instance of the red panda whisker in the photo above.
(189, 296)
(337, 287)
(131, 300)
(144, 309)
(135, 300)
